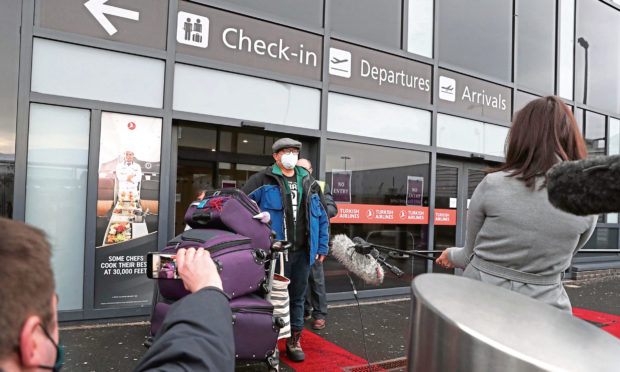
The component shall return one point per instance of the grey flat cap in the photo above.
(285, 143)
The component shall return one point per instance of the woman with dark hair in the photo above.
(515, 238)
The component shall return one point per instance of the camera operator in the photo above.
(29, 339)
(196, 334)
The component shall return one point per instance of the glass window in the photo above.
(594, 133)
(536, 45)
(375, 21)
(56, 192)
(244, 142)
(522, 99)
(420, 27)
(470, 135)
(494, 139)
(567, 43)
(219, 93)
(578, 114)
(365, 117)
(307, 12)
(196, 137)
(477, 35)
(603, 238)
(376, 188)
(459, 134)
(89, 73)
(614, 136)
(9, 74)
(597, 55)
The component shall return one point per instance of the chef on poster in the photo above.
(129, 175)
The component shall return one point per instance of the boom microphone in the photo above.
(363, 265)
(584, 187)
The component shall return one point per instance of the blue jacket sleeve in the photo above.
(323, 233)
(196, 335)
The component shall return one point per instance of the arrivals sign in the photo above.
(383, 73)
(210, 33)
(139, 22)
(391, 214)
(474, 96)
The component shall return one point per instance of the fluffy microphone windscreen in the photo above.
(584, 187)
(364, 266)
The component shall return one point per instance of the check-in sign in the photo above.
(226, 37)
(139, 22)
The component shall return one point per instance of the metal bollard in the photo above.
(460, 324)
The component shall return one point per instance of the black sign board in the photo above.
(140, 22)
(366, 69)
(226, 37)
(474, 96)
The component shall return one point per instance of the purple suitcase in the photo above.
(242, 267)
(230, 209)
(157, 317)
(255, 328)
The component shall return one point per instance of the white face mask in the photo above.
(289, 160)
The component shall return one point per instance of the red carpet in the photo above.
(321, 355)
(611, 323)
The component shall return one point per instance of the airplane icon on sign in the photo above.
(448, 88)
(340, 62)
(335, 60)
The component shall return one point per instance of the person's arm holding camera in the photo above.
(196, 334)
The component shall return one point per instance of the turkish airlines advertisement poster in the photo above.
(127, 209)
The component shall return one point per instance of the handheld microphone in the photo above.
(584, 187)
(365, 266)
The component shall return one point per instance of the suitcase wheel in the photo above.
(260, 256)
(272, 364)
(278, 322)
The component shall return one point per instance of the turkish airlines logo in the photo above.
(193, 30)
(131, 125)
(447, 89)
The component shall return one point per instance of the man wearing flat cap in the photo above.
(293, 198)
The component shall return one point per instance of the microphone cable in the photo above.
(359, 308)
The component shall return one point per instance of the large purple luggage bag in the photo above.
(255, 327)
(241, 265)
(230, 209)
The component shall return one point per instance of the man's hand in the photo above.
(197, 269)
(319, 257)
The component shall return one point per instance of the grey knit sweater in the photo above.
(512, 229)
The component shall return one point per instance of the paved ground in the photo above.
(386, 323)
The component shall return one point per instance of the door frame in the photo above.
(463, 167)
(311, 149)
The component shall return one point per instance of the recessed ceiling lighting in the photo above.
(213, 150)
(245, 141)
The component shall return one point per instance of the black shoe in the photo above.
(293, 348)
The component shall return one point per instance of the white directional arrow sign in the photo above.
(99, 9)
